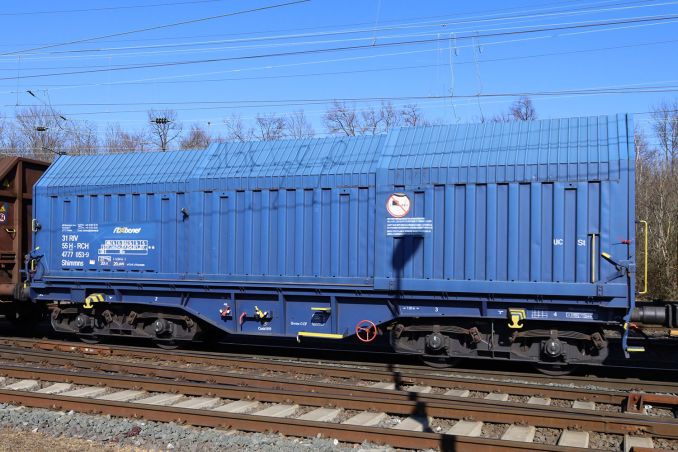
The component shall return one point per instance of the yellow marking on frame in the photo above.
(320, 335)
(516, 316)
(635, 349)
(321, 309)
(94, 298)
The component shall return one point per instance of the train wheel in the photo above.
(555, 369)
(439, 362)
(90, 339)
(167, 345)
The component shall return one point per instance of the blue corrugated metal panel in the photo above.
(292, 163)
(509, 202)
(135, 171)
(575, 149)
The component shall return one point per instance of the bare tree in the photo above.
(8, 136)
(4, 130)
(505, 117)
(41, 133)
(657, 201)
(298, 126)
(665, 126)
(390, 117)
(237, 130)
(380, 120)
(269, 127)
(371, 123)
(523, 110)
(164, 127)
(342, 119)
(412, 116)
(119, 140)
(197, 138)
(82, 138)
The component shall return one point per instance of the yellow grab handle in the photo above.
(645, 239)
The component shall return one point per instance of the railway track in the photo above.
(578, 391)
(400, 407)
(339, 368)
(400, 420)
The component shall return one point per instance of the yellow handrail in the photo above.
(645, 233)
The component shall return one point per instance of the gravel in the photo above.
(131, 434)
(605, 442)
(547, 436)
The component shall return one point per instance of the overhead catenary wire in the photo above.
(156, 27)
(107, 8)
(182, 78)
(423, 101)
(97, 53)
(657, 19)
(447, 23)
(256, 33)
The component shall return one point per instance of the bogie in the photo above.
(165, 327)
(551, 349)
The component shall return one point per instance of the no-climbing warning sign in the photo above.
(398, 225)
(398, 205)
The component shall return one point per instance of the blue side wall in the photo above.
(505, 214)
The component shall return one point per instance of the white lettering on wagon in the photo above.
(134, 247)
(399, 227)
(579, 315)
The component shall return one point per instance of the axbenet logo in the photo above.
(126, 230)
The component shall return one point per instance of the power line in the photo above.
(157, 27)
(82, 53)
(107, 8)
(243, 104)
(657, 19)
(438, 23)
(357, 71)
(163, 80)
(437, 17)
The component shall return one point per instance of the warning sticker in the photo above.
(398, 205)
(399, 227)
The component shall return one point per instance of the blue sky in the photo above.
(470, 48)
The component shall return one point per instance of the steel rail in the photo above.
(261, 381)
(291, 427)
(393, 402)
(367, 371)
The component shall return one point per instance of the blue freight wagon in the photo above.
(505, 240)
